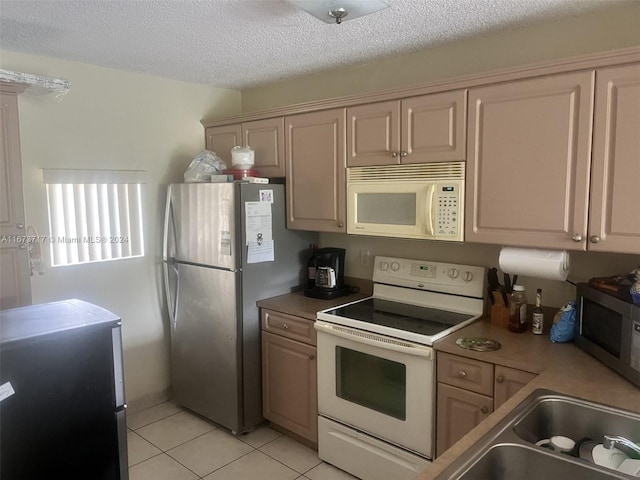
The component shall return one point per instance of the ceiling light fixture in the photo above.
(339, 14)
(337, 11)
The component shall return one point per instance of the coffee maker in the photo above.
(329, 282)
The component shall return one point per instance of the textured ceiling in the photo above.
(244, 43)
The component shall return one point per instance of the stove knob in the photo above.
(453, 273)
(395, 266)
(384, 266)
(467, 276)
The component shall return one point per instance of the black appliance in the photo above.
(608, 327)
(329, 263)
(62, 407)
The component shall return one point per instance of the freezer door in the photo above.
(200, 224)
(205, 344)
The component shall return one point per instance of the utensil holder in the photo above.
(499, 316)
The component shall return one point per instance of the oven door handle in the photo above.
(374, 340)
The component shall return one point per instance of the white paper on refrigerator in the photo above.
(260, 253)
(258, 222)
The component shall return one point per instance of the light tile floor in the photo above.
(168, 443)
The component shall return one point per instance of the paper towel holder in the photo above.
(538, 263)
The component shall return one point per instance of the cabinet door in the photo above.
(289, 385)
(222, 139)
(434, 127)
(614, 219)
(266, 137)
(373, 134)
(458, 412)
(15, 283)
(508, 382)
(315, 153)
(528, 167)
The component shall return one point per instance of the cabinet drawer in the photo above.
(466, 373)
(289, 326)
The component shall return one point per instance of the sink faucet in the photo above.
(611, 441)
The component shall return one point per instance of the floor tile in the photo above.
(324, 471)
(161, 467)
(174, 430)
(260, 436)
(255, 465)
(209, 452)
(138, 449)
(293, 454)
(150, 415)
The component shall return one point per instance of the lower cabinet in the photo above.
(289, 378)
(468, 391)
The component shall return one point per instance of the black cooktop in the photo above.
(401, 316)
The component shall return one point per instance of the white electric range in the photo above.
(376, 365)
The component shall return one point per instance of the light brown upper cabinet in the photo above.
(222, 139)
(614, 218)
(315, 155)
(266, 137)
(529, 148)
(428, 128)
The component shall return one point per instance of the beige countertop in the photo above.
(563, 367)
(297, 304)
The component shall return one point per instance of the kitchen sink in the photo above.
(574, 418)
(509, 450)
(510, 461)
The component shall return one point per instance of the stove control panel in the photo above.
(439, 277)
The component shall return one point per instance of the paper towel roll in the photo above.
(550, 264)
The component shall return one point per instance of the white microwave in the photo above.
(423, 201)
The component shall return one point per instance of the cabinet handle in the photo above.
(484, 410)
(20, 226)
(462, 374)
(394, 154)
(577, 237)
(22, 246)
(340, 224)
(499, 379)
(312, 357)
(403, 154)
(594, 239)
(285, 326)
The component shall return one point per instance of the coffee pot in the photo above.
(329, 283)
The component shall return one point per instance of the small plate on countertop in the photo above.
(478, 344)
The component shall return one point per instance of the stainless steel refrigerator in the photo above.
(62, 403)
(212, 234)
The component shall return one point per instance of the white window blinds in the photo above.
(94, 215)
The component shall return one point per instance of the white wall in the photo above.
(612, 28)
(116, 120)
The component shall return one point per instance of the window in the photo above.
(94, 215)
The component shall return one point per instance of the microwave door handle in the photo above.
(430, 208)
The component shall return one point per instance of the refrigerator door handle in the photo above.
(171, 293)
(169, 235)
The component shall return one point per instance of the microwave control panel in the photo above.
(635, 347)
(447, 209)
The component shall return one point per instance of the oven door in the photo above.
(378, 385)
